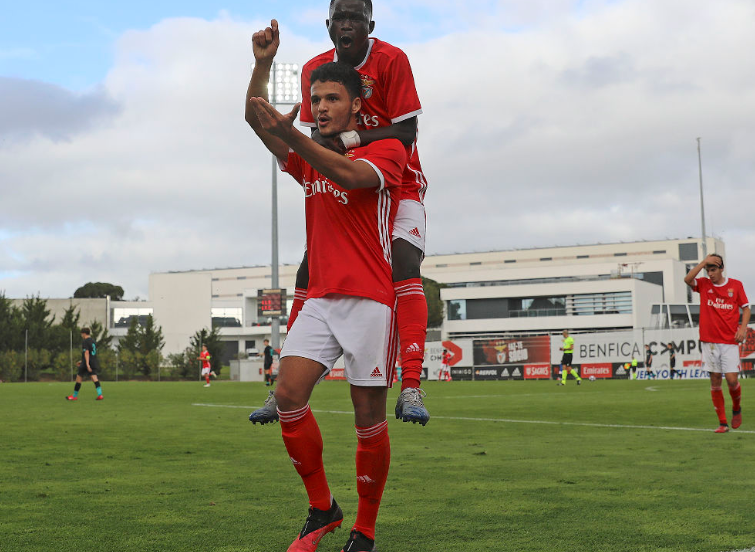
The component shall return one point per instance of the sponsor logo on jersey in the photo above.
(720, 304)
(376, 373)
(324, 187)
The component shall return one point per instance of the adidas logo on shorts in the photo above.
(415, 232)
(376, 373)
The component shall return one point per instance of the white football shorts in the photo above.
(721, 358)
(205, 371)
(362, 330)
(410, 223)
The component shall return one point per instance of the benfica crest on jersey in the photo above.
(367, 84)
(731, 292)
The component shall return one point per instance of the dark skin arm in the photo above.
(405, 132)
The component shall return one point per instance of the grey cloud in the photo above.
(31, 108)
(601, 71)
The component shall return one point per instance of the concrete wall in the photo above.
(89, 309)
(182, 304)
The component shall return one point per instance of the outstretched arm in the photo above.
(404, 131)
(264, 45)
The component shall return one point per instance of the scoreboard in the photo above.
(271, 302)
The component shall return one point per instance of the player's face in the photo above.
(714, 273)
(349, 26)
(332, 108)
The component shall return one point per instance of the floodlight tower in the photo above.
(702, 204)
(283, 89)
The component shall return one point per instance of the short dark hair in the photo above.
(86, 331)
(367, 3)
(720, 257)
(341, 73)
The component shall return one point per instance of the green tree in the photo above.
(64, 334)
(11, 333)
(434, 303)
(36, 321)
(214, 346)
(140, 350)
(99, 290)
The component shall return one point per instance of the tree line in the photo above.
(34, 346)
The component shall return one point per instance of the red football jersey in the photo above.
(719, 309)
(388, 96)
(205, 356)
(349, 231)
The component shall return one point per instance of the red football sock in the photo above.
(718, 403)
(373, 460)
(736, 396)
(207, 378)
(411, 315)
(303, 441)
(300, 295)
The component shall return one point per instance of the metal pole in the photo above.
(702, 204)
(26, 356)
(116, 365)
(70, 351)
(275, 326)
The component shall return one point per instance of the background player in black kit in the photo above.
(89, 365)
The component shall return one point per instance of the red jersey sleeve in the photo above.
(401, 98)
(698, 282)
(387, 157)
(294, 166)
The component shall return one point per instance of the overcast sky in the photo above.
(124, 151)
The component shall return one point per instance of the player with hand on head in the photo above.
(721, 301)
(350, 206)
(390, 106)
(89, 365)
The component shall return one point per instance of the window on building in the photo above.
(546, 258)
(659, 252)
(688, 252)
(619, 254)
(583, 256)
(590, 304)
(227, 317)
(122, 316)
(507, 261)
(679, 316)
(457, 309)
(694, 314)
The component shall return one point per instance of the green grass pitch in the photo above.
(502, 466)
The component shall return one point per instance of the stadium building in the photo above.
(599, 287)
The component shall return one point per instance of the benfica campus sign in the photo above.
(603, 355)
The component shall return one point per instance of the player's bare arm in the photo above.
(742, 330)
(264, 46)
(86, 357)
(404, 131)
(334, 166)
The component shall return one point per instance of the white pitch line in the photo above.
(508, 421)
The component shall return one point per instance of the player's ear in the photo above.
(356, 105)
(372, 27)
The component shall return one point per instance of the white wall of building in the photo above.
(182, 305)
